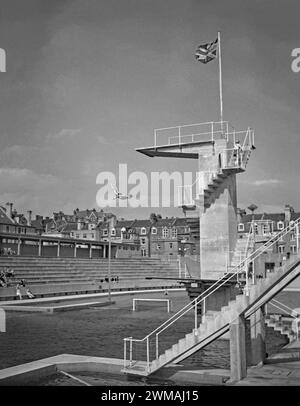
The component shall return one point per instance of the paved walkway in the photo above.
(282, 369)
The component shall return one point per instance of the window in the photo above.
(241, 227)
(77, 235)
(174, 233)
(158, 247)
(293, 249)
(143, 231)
(113, 231)
(280, 225)
(281, 248)
(143, 252)
(165, 232)
(105, 232)
(143, 241)
(255, 228)
(92, 235)
(293, 237)
(265, 229)
(171, 245)
(84, 236)
(7, 229)
(154, 230)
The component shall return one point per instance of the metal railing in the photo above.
(202, 132)
(207, 131)
(288, 310)
(193, 305)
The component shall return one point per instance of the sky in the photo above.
(87, 82)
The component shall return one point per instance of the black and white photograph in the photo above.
(149, 201)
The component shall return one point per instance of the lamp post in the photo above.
(110, 226)
(252, 208)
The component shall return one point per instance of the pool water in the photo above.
(100, 331)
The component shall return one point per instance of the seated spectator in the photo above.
(22, 283)
(29, 293)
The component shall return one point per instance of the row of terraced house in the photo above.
(263, 226)
(164, 237)
(168, 237)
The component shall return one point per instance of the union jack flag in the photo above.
(207, 52)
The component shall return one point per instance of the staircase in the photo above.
(216, 323)
(276, 322)
(211, 182)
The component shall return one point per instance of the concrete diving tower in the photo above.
(221, 153)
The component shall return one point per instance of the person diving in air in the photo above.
(119, 195)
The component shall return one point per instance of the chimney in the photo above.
(288, 210)
(240, 213)
(29, 217)
(10, 209)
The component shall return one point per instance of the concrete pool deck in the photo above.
(32, 305)
(279, 370)
(27, 374)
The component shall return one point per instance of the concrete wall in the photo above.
(218, 223)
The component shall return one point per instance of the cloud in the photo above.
(66, 132)
(16, 180)
(262, 182)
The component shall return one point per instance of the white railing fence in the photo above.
(153, 340)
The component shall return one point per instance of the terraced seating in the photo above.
(66, 275)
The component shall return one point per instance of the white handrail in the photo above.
(215, 286)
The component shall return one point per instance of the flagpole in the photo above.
(220, 80)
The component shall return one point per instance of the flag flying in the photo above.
(207, 52)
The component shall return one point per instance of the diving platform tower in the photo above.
(221, 153)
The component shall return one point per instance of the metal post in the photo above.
(58, 249)
(196, 318)
(297, 237)
(156, 345)
(75, 250)
(125, 350)
(130, 351)
(220, 80)
(179, 139)
(109, 261)
(148, 355)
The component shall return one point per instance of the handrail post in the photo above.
(156, 344)
(130, 352)
(155, 139)
(196, 318)
(179, 135)
(148, 355)
(247, 282)
(125, 350)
